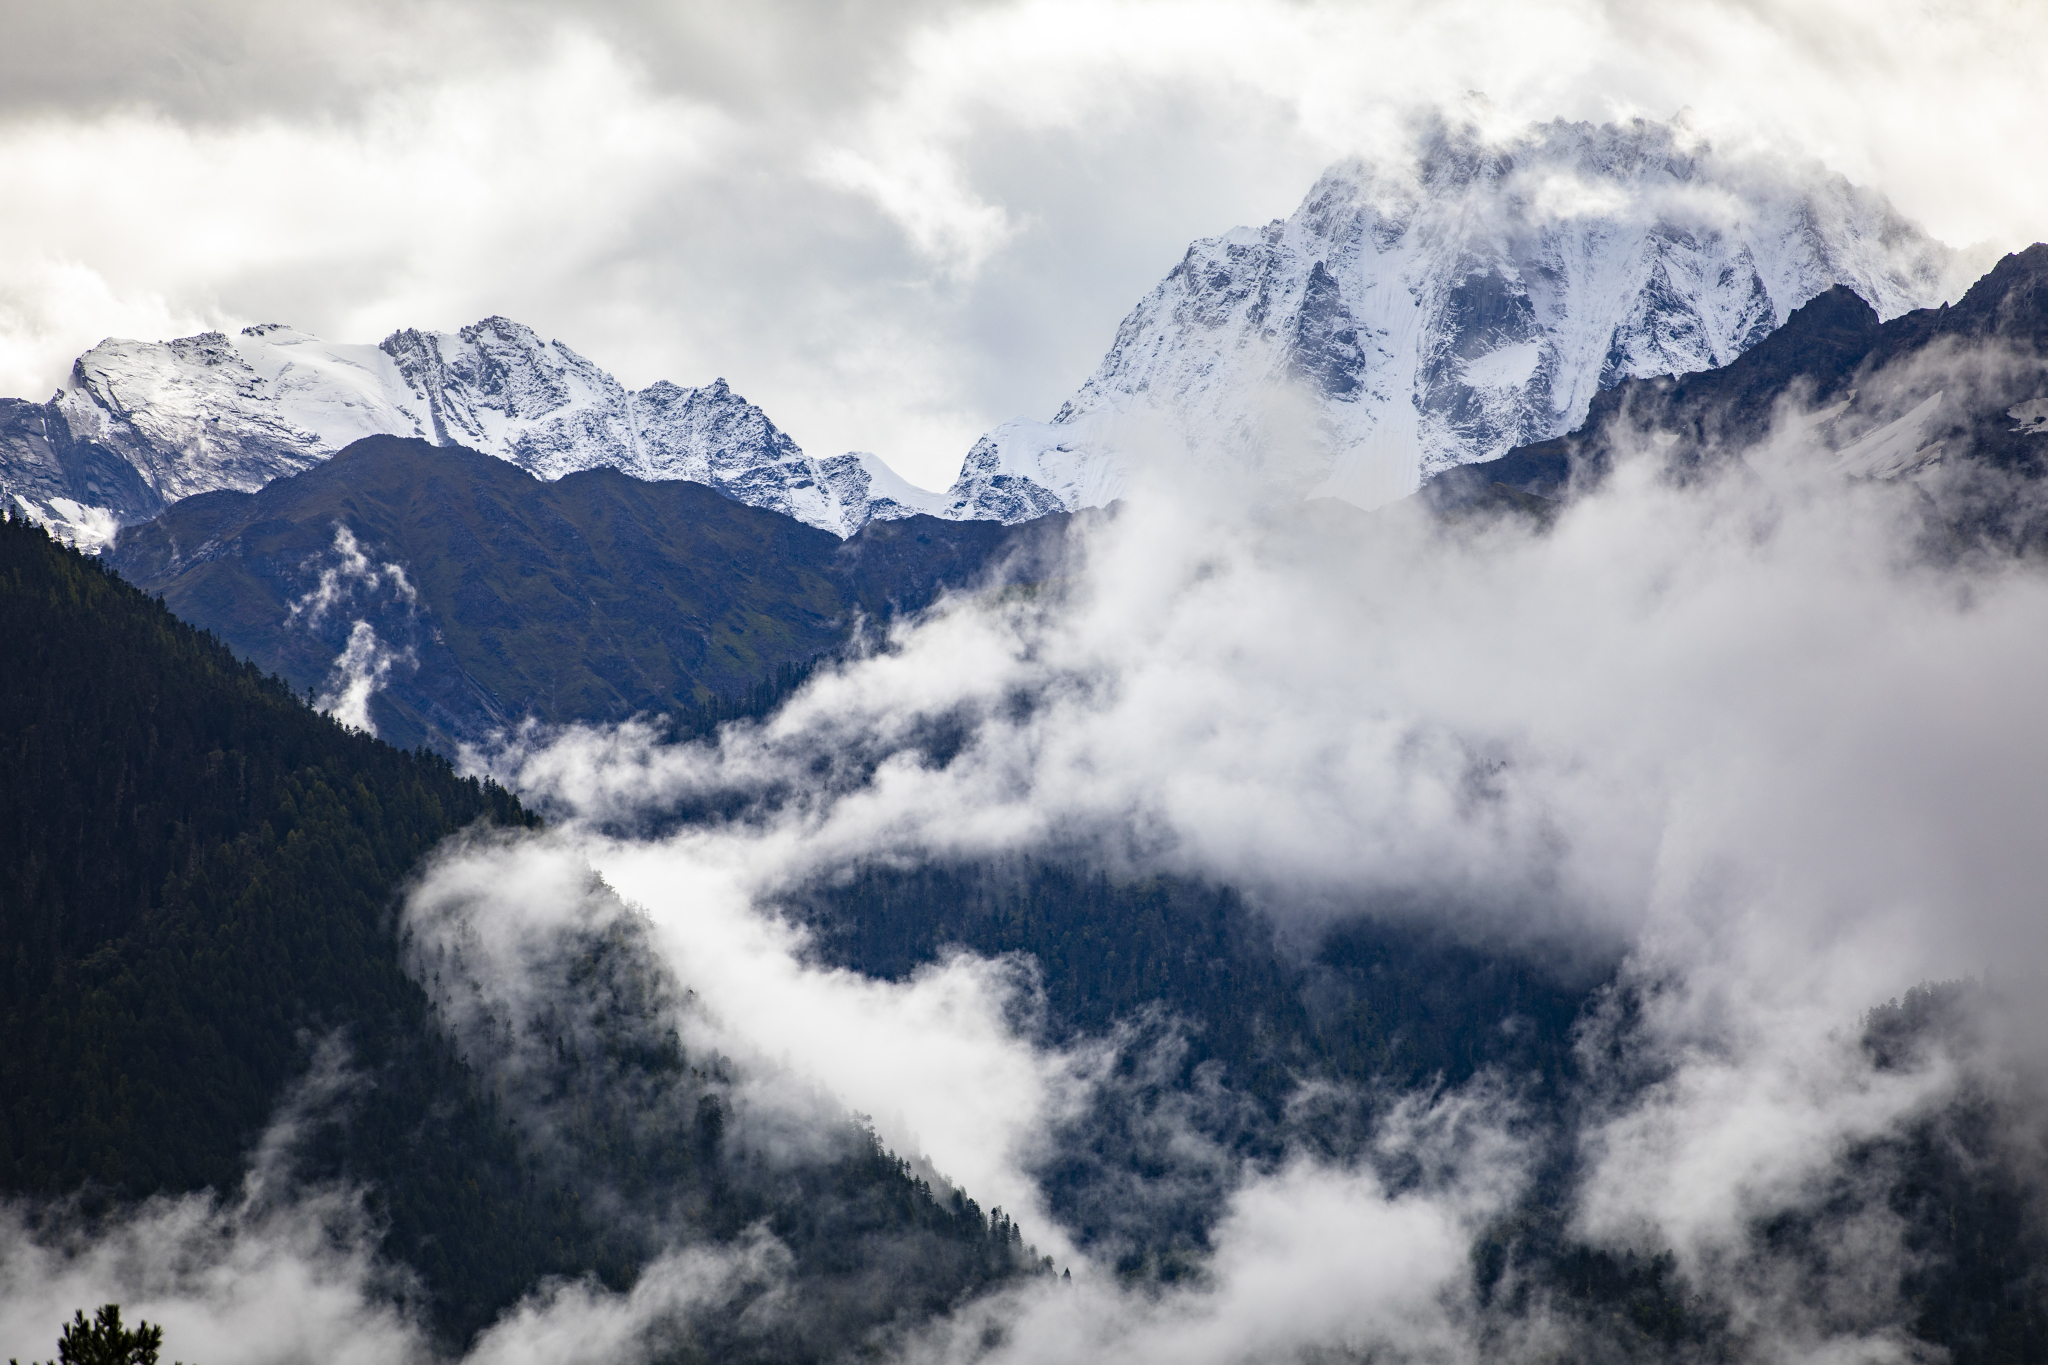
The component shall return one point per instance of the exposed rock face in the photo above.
(69, 485)
(1953, 400)
(1406, 320)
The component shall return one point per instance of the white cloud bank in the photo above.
(1738, 731)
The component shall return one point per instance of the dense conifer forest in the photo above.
(200, 888)
(591, 598)
(1219, 1024)
(200, 906)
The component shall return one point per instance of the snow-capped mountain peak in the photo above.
(214, 412)
(1411, 317)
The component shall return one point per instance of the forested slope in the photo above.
(199, 886)
(1232, 1045)
(1214, 1019)
(199, 882)
(496, 596)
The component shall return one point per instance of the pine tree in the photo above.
(104, 1341)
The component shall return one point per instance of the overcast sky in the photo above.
(891, 224)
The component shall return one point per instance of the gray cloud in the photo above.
(890, 225)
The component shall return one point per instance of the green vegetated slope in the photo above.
(1234, 1044)
(199, 882)
(591, 598)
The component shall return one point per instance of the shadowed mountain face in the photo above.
(79, 482)
(1953, 399)
(435, 593)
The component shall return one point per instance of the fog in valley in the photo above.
(1734, 759)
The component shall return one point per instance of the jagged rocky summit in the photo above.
(1410, 318)
(1406, 319)
(139, 425)
(1951, 400)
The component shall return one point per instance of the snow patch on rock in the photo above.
(211, 412)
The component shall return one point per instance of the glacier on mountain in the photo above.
(1410, 318)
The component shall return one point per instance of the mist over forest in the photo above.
(1472, 794)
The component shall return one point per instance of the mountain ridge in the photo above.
(466, 594)
(211, 412)
(1405, 320)
(1940, 396)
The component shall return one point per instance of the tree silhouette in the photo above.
(104, 1341)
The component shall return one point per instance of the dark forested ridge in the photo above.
(199, 874)
(178, 828)
(198, 893)
(591, 598)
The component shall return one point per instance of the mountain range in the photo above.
(435, 595)
(1405, 319)
(212, 412)
(1410, 318)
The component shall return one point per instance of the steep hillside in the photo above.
(455, 592)
(200, 875)
(198, 913)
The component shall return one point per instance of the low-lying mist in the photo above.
(1736, 745)
(1732, 760)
